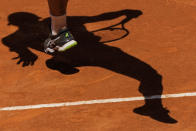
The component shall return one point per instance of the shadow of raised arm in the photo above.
(130, 14)
(77, 22)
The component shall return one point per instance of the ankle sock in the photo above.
(57, 23)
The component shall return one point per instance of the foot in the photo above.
(158, 113)
(60, 42)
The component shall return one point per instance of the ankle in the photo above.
(58, 23)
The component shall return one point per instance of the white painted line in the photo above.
(114, 100)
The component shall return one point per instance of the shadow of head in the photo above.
(22, 18)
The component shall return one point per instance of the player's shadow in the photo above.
(32, 31)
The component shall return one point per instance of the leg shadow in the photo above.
(116, 60)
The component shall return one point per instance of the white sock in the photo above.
(57, 23)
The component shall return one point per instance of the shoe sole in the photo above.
(67, 46)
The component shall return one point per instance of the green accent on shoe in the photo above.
(70, 46)
(67, 35)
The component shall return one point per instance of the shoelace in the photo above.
(51, 44)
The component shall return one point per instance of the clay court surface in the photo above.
(150, 51)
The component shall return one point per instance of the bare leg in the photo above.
(58, 15)
(57, 7)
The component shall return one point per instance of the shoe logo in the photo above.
(67, 35)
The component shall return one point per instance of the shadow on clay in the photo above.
(32, 31)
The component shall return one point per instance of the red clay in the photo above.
(160, 41)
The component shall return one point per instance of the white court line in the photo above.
(114, 100)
